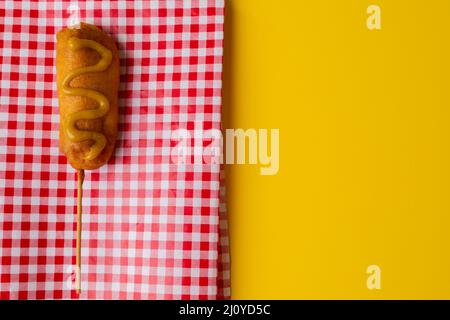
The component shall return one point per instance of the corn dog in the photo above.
(87, 75)
(87, 64)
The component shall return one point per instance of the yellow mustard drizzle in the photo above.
(69, 122)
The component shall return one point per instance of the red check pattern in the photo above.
(152, 229)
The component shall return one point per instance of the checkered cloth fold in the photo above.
(152, 229)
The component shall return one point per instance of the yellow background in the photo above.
(364, 119)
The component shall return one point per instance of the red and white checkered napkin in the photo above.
(150, 226)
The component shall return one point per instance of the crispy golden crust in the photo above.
(106, 82)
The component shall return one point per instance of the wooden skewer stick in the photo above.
(79, 213)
